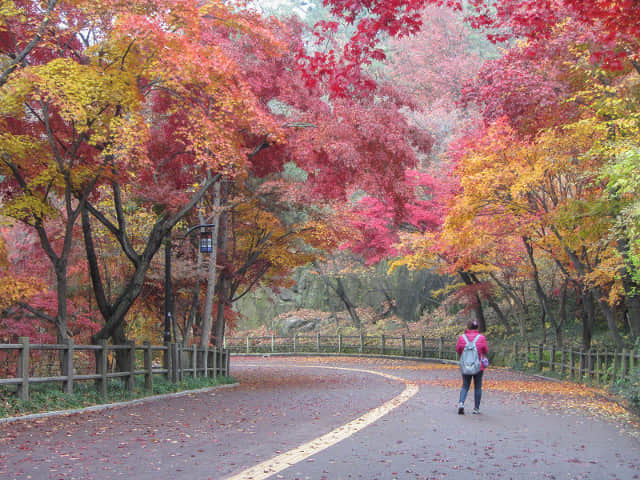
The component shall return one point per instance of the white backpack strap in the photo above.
(464, 335)
(475, 339)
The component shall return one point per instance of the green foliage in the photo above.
(623, 175)
(292, 172)
(629, 389)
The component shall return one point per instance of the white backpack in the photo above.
(470, 359)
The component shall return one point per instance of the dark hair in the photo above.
(472, 325)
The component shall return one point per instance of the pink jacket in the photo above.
(481, 344)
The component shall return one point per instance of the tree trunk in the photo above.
(122, 356)
(192, 315)
(502, 318)
(588, 320)
(477, 307)
(207, 318)
(351, 308)
(223, 284)
(224, 295)
(114, 313)
(542, 296)
(610, 316)
(562, 314)
(510, 292)
(62, 331)
(61, 322)
(341, 293)
(598, 297)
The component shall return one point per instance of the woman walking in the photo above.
(473, 350)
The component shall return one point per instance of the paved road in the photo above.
(334, 419)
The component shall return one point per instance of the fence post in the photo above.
(205, 362)
(67, 366)
(403, 350)
(23, 368)
(361, 341)
(590, 360)
(194, 360)
(131, 366)
(166, 360)
(382, 343)
(215, 362)
(248, 343)
(571, 364)
(102, 367)
(563, 360)
(616, 365)
(597, 366)
(318, 342)
(539, 361)
(273, 343)
(625, 363)
(295, 340)
(422, 349)
(552, 363)
(148, 366)
(441, 348)
(174, 362)
(339, 343)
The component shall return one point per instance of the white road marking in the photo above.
(285, 460)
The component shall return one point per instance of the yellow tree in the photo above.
(611, 116)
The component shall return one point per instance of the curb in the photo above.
(106, 406)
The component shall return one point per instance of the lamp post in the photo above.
(206, 246)
(168, 294)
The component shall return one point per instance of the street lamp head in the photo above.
(206, 241)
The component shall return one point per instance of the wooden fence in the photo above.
(596, 366)
(96, 363)
(346, 344)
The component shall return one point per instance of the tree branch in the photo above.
(20, 57)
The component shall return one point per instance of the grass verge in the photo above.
(48, 398)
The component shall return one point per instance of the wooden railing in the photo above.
(96, 363)
(346, 344)
(597, 366)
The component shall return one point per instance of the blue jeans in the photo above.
(477, 388)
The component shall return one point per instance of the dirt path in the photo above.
(529, 428)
